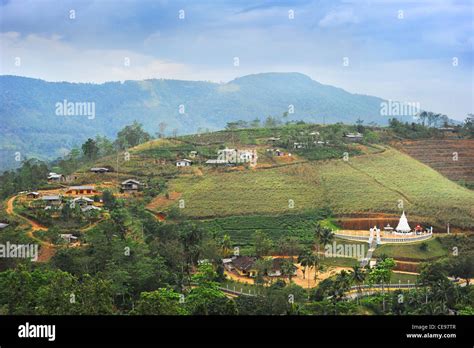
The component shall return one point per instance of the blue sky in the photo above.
(399, 50)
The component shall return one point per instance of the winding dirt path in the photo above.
(47, 249)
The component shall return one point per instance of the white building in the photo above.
(183, 163)
(403, 226)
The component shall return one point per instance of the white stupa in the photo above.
(403, 224)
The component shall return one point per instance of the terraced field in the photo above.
(372, 183)
(440, 155)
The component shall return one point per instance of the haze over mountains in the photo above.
(30, 124)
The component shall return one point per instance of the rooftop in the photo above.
(244, 262)
(87, 187)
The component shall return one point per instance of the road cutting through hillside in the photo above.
(47, 249)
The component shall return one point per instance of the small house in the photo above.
(68, 237)
(54, 177)
(245, 265)
(32, 195)
(355, 137)
(81, 201)
(3, 225)
(99, 170)
(52, 200)
(183, 163)
(90, 208)
(130, 186)
(299, 145)
(82, 190)
(276, 271)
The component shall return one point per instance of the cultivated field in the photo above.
(371, 183)
(440, 155)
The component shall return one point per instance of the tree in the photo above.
(160, 302)
(226, 245)
(105, 146)
(255, 123)
(131, 136)
(468, 126)
(304, 261)
(463, 267)
(360, 128)
(288, 269)
(357, 277)
(262, 266)
(206, 298)
(162, 127)
(382, 273)
(263, 245)
(108, 199)
(90, 149)
(191, 237)
(289, 245)
(327, 236)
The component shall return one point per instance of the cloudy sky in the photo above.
(414, 51)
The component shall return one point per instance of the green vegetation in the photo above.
(363, 184)
(241, 229)
(415, 251)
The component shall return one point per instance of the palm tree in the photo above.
(288, 269)
(226, 245)
(304, 261)
(315, 262)
(317, 235)
(327, 236)
(358, 277)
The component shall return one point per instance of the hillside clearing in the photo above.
(371, 183)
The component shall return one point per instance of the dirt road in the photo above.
(47, 250)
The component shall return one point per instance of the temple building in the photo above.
(403, 226)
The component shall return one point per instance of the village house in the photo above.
(183, 163)
(82, 190)
(245, 265)
(90, 208)
(130, 186)
(299, 145)
(81, 201)
(99, 170)
(68, 237)
(54, 177)
(355, 137)
(53, 200)
(33, 195)
(275, 271)
(3, 225)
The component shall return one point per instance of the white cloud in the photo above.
(53, 59)
(339, 17)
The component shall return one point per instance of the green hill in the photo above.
(374, 180)
(372, 183)
(30, 125)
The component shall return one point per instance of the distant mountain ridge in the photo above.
(31, 126)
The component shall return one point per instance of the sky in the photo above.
(410, 51)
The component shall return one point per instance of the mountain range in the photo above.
(35, 121)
